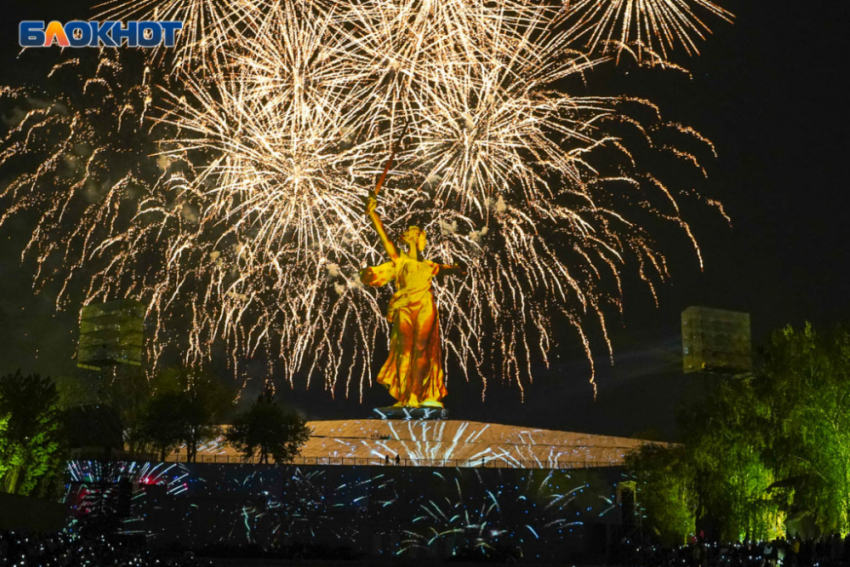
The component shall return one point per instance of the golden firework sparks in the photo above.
(239, 215)
(656, 26)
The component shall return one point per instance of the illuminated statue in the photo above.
(413, 372)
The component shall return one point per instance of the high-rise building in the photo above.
(716, 341)
(111, 334)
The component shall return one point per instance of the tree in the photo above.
(79, 389)
(207, 401)
(126, 389)
(5, 446)
(718, 481)
(725, 440)
(805, 383)
(31, 447)
(767, 447)
(89, 420)
(664, 491)
(164, 423)
(266, 429)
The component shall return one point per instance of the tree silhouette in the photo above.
(164, 422)
(206, 402)
(266, 428)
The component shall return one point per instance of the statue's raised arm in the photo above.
(371, 205)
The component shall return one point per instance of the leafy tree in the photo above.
(764, 448)
(718, 481)
(187, 406)
(805, 385)
(725, 439)
(164, 424)
(266, 428)
(78, 389)
(207, 401)
(5, 445)
(664, 491)
(31, 447)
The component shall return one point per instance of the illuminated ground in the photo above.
(452, 443)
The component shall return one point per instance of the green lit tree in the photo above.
(805, 383)
(5, 442)
(725, 440)
(664, 489)
(718, 480)
(765, 448)
(31, 435)
(267, 429)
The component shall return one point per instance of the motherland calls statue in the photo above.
(413, 372)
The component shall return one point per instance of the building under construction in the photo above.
(716, 341)
(111, 334)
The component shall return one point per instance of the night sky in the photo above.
(765, 90)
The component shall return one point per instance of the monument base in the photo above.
(409, 414)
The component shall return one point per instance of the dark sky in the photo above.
(765, 90)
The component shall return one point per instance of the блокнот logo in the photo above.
(98, 34)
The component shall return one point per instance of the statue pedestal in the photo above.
(410, 414)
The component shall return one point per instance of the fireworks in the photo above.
(654, 26)
(487, 513)
(209, 26)
(240, 216)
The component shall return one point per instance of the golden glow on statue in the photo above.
(413, 372)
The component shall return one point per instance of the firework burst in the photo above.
(654, 27)
(242, 216)
(209, 26)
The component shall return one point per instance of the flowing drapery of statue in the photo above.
(413, 372)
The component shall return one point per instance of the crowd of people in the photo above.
(826, 551)
(19, 549)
